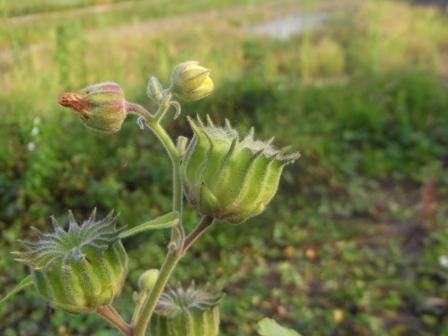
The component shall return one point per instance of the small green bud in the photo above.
(228, 178)
(148, 279)
(79, 269)
(181, 144)
(100, 106)
(154, 89)
(191, 81)
(189, 312)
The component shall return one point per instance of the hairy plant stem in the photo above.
(111, 315)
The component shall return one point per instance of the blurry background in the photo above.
(356, 241)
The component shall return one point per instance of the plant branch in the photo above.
(150, 302)
(197, 232)
(164, 106)
(111, 315)
(168, 266)
(173, 153)
(139, 110)
(154, 124)
(144, 311)
(138, 306)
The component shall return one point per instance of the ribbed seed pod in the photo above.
(79, 269)
(189, 312)
(229, 178)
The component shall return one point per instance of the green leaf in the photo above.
(28, 281)
(163, 222)
(268, 327)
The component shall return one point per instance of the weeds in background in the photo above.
(369, 112)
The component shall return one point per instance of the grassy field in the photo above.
(354, 242)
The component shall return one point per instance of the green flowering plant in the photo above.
(227, 177)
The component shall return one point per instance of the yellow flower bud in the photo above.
(191, 81)
(148, 279)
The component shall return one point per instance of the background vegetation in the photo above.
(355, 243)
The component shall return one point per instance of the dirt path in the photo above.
(94, 9)
(170, 23)
(247, 16)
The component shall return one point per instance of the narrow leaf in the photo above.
(28, 281)
(268, 327)
(163, 222)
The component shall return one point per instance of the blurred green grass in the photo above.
(13, 8)
(350, 245)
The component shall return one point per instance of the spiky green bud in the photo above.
(191, 81)
(100, 106)
(229, 178)
(79, 269)
(186, 312)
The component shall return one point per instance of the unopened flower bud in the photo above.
(154, 89)
(148, 279)
(229, 178)
(79, 269)
(191, 81)
(186, 312)
(100, 106)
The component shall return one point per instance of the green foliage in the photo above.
(26, 282)
(346, 247)
(268, 327)
(163, 222)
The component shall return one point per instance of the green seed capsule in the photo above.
(79, 269)
(187, 312)
(229, 178)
